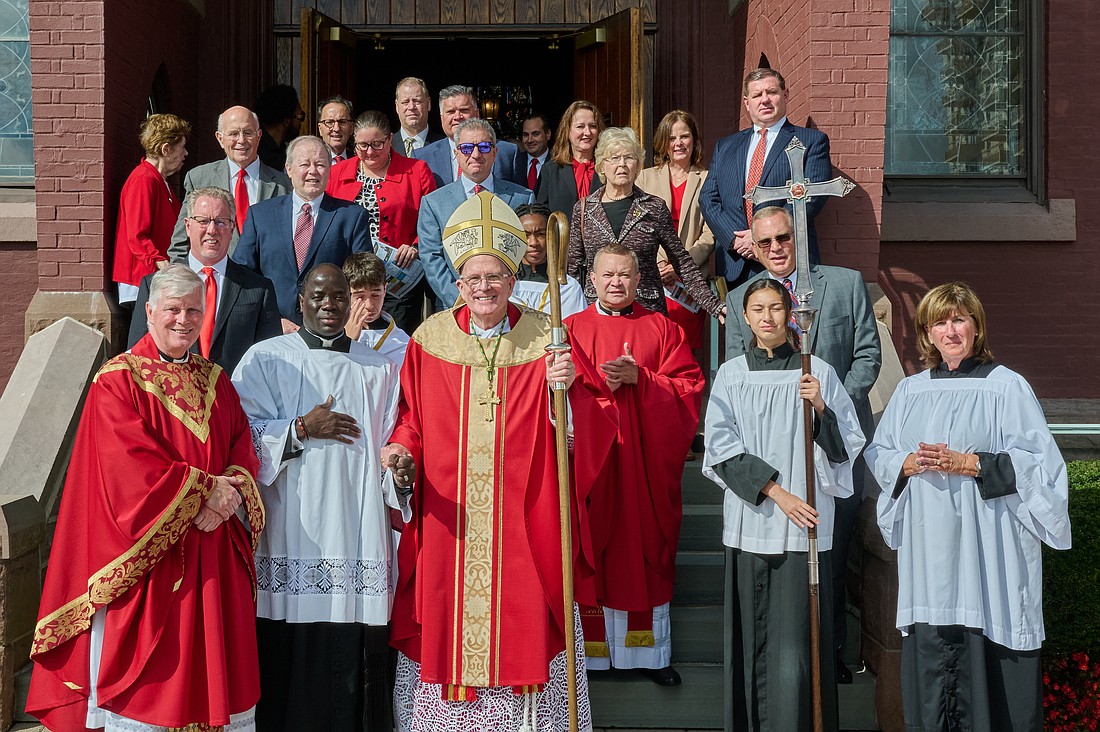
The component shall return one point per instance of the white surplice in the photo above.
(760, 413)
(964, 560)
(390, 341)
(326, 552)
(536, 295)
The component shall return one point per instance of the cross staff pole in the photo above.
(798, 191)
(557, 238)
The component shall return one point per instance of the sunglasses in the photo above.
(467, 148)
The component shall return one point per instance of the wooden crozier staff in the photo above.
(797, 192)
(557, 238)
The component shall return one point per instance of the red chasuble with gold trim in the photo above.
(636, 523)
(479, 597)
(179, 635)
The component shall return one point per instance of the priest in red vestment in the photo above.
(658, 387)
(478, 614)
(148, 614)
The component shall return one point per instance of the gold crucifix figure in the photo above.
(489, 400)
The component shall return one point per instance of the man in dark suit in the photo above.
(478, 174)
(755, 156)
(241, 173)
(457, 104)
(335, 118)
(536, 147)
(285, 237)
(413, 103)
(845, 336)
(244, 310)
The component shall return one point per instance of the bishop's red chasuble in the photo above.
(479, 599)
(179, 632)
(635, 523)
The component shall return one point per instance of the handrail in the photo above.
(1074, 429)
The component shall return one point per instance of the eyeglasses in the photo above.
(779, 239)
(376, 145)
(467, 148)
(242, 134)
(492, 280)
(622, 159)
(330, 123)
(219, 224)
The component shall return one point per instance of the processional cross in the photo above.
(797, 192)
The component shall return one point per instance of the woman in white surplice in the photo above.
(972, 486)
(755, 449)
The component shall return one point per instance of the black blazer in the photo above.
(248, 312)
(557, 188)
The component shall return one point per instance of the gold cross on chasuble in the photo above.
(489, 400)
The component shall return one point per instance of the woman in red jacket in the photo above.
(148, 208)
(390, 188)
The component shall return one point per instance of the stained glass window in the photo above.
(957, 89)
(16, 138)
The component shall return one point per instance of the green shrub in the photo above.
(1071, 579)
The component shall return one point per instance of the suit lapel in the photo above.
(634, 214)
(285, 228)
(227, 298)
(818, 301)
(325, 216)
(691, 190)
(786, 132)
(740, 157)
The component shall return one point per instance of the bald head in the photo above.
(239, 135)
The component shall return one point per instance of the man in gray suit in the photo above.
(241, 173)
(845, 336)
(456, 105)
(476, 151)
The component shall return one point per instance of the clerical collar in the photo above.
(608, 311)
(781, 352)
(340, 343)
(968, 368)
(499, 329)
(380, 323)
(168, 359)
(532, 272)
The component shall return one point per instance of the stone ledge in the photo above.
(969, 222)
(20, 224)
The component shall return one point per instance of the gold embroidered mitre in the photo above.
(484, 224)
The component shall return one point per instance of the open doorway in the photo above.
(512, 77)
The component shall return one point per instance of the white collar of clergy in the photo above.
(168, 359)
(340, 343)
(607, 311)
(499, 329)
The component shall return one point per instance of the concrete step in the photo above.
(696, 488)
(701, 528)
(698, 578)
(697, 634)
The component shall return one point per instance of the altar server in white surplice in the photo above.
(755, 448)
(973, 485)
(532, 281)
(321, 406)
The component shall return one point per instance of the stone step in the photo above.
(697, 489)
(698, 578)
(626, 699)
(697, 634)
(701, 528)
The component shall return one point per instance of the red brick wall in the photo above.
(19, 263)
(833, 55)
(1040, 297)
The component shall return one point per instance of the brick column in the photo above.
(67, 69)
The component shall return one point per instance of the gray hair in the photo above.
(617, 140)
(336, 99)
(297, 142)
(455, 90)
(214, 192)
(410, 81)
(175, 280)
(475, 123)
(255, 119)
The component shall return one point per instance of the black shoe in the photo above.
(666, 676)
(843, 673)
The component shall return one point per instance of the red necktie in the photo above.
(756, 167)
(240, 200)
(794, 301)
(533, 174)
(206, 335)
(303, 232)
(477, 188)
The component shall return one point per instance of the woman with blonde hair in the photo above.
(972, 487)
(148, 208)
(621, 212)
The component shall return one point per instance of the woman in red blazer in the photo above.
(148, 208)
(390, 188)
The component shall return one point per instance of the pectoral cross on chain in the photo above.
(489, 400)
(797, 192)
